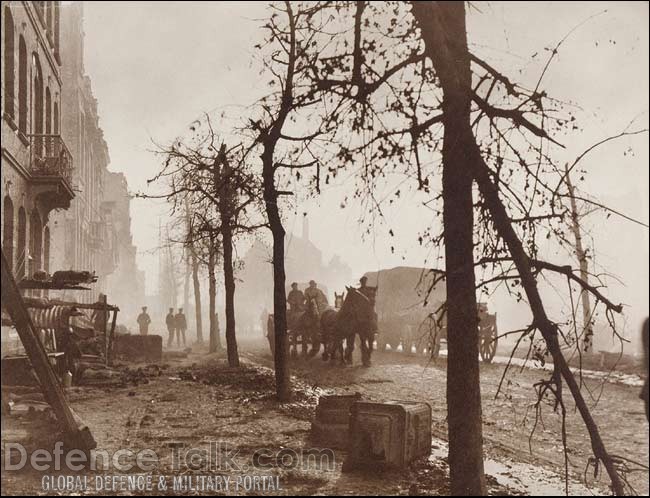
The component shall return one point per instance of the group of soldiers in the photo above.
(176, 325)
(297, 298)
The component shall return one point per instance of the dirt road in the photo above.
(509, 419)
(189, 404)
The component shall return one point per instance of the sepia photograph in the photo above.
(325, 248)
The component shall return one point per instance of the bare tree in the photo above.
(404, 89)
(285, 61)
(220, 193)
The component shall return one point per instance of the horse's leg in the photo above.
(365, 351)
(315, 343)
(349, 350)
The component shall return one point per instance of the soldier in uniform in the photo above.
(296, 299)
(363, 288)
(170, 321)
(181, 326)
(369, 292)
(143, 321)
(313, 292)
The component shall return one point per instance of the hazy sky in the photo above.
(155, 67)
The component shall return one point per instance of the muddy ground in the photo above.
(199, 403)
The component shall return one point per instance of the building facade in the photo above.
(61, 207)
(126, 285)
(37, 165)
(82, 237)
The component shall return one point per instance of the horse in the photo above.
(327, 324)
(357, 316)
(307, 325)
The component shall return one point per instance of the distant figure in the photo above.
(170, 321)
(644, 391)
(181, 326)
(313, 292)
(143, 321)
(296, 298)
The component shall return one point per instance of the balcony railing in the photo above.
(50, 157)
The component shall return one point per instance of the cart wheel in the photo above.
(488, 342)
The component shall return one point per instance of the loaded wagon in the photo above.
(411, 315)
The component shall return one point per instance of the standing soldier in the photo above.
(181, 326)
(170, 321)
(296, 298)
(143, 321)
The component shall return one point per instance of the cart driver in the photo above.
(296, 298)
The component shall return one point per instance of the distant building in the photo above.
(303, 262)
(126, 285)
(37, 166)
(83, 237)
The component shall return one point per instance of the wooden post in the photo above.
(111, 340)
(103, 301)
(77, 435)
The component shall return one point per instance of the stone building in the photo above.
(82, 236)
(37, 166)
(126, 285)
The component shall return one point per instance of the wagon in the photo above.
(435, 330)
(410, 311)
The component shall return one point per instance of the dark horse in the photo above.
(306, 326)
(327, 326)
(357, 316)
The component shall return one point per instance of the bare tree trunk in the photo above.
(581, 254)
(212, 290)
(446, 21)
(224, 178)
(282, 381)
(229, 278)
(197, 296)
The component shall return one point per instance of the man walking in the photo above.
(181, 326)
(170, 321)
(143, 321)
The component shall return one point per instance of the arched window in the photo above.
(37, 126)
(55, 124)
(10, 66)
(35, 243)
(8, 231)
(48, 111)
(22, 244)
(22, 85)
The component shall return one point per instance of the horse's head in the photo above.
(312, 306)
(338, 300)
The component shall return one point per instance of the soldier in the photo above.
(143, 321)
(363, 288)
(369, 292)
(313, 292)
(170, 321)
(296, 298)
(181, 326)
